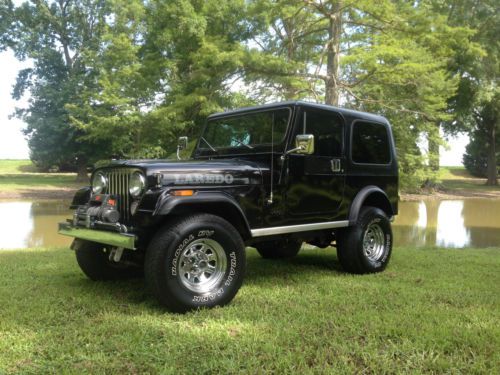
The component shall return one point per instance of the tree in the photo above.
(197, 47)
(388, 57)
(161, 68)
(475, 158)
(55, 35)
(476, 105)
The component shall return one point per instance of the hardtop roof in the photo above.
(343, 111)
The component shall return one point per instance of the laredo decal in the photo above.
(200, 178)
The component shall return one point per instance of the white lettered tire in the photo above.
(366, 247)
(197, 261)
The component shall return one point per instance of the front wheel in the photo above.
(198, 261)
(366, 247)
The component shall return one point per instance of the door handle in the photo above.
(335, 165)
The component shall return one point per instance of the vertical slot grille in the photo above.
(118, 180)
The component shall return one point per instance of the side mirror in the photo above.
(182, 144)
(304, 144)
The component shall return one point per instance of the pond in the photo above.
(447, 223)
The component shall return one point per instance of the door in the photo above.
(315, 183)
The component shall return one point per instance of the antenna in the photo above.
(270, 199)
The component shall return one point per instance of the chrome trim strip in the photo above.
(299, 228)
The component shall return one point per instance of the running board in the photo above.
(261, 232)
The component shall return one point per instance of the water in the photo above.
(449, 223)
(26, 224)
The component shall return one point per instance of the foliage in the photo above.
(160, 70)
(54, 36)
(475, 158)
(126, 78)
(476, 105)
(392, 60)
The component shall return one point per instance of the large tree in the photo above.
(161, 69)
(54, 35)
(386, 56)
(476, 105)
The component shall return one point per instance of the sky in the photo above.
(13, 144)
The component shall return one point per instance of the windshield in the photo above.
(246, 130)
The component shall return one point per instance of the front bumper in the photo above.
(125, 240)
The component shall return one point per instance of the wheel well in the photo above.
(379, 200)
(226, 211)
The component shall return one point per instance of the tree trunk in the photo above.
(492, 159)
(333, 56)
(82, 175)
(433, 154)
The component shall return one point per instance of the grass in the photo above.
(432, 311)
(14, 166)
(17, 175)
(459, 179)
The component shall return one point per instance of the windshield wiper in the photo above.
(208, 144)
(241, 143)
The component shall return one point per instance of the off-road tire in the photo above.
(279, 249)
(366, 247)
(93, 259)
(181, 256)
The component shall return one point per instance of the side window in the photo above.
(370, 143)
(327, 128)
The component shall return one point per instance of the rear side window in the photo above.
(370, 143)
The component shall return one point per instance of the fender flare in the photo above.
(361, 197)
(81, 197)
(217, 203)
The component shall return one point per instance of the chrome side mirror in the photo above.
(304, 144)
(182, 144)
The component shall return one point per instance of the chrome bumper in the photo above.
(125, 240)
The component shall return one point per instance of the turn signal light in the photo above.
(182, 193)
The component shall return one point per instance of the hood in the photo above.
(198, 172)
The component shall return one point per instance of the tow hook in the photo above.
(116, 254)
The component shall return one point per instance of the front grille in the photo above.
(118, 181)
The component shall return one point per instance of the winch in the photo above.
(101, 211)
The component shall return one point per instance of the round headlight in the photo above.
(99, 183)
(137, 184)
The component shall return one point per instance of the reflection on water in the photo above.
(450, 223)
(32, 224)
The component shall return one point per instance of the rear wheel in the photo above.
(279, 249)
(366, 247)
(198, 261)
(93, 259)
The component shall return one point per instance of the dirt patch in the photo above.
(445, 194)
(62, 193)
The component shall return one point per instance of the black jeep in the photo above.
(271, 177)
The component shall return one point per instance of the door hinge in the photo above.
(335, 165)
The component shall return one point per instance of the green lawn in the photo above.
(22, 174)
(12, 166)
(459, 179)
(432, 311)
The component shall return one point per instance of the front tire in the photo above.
(198, 261)
(367, 246)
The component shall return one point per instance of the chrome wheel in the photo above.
(373, 242)
(202, 265)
